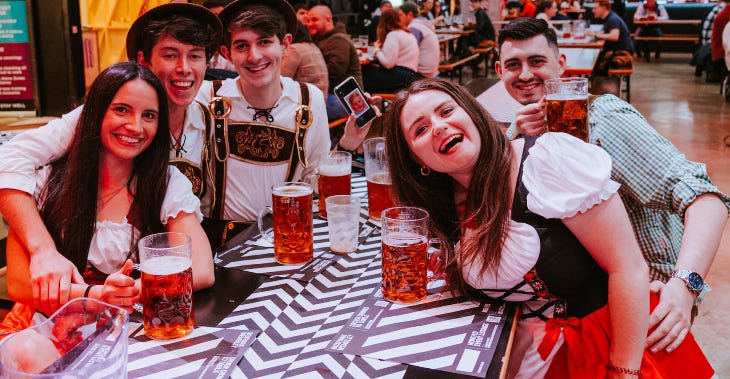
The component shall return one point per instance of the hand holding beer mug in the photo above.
(167, 285)
(567, 106)
(378, 177)
(293, 223)
(405, 244)
(333, 178)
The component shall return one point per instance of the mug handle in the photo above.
(266, 234)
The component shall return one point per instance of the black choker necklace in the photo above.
(263, 112)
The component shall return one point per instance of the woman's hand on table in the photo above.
(120, 289)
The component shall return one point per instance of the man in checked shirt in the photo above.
(677, 214)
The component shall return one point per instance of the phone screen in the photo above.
(354, 101)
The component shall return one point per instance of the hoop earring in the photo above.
(425, 171)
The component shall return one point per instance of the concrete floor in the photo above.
(694, 116)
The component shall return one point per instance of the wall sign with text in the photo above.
(16, 83)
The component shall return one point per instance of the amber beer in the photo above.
(405, 251)
(333, 180)
(292, 214)
(568, 114)
(379, 194)
(167, 297)
(404, 267)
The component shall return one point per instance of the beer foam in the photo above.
(382, 178)
(292, 191)
(334, 170)
(400, 239)
(566, 96)
(165, 265)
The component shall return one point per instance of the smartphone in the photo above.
(354, 101)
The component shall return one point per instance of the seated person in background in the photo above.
(219, 68)
(528, 8)
(649, 10)
(373, 27)
(396, 52)
(618, 50)
(339, 53)
(302, 12)
(718, 51)
(189, 32)
(562, 14)
(546, 10)
(303, 61)
(428, 43)
(701, 58)
(114, 186)
(483, 29)
(676, 212)
(521, 219)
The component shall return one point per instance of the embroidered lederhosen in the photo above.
(254, 142)
(198, 174)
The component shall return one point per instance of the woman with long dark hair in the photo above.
(535, 221)
(396, 53)
(113, 186)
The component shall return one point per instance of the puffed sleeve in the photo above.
(179, 197)
(565, 175)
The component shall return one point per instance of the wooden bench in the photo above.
(694, 39)
(669, 37)
(486, 53)
(624, 75)
(456, 64)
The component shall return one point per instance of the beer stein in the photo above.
(167, 285)
(333, 178)
(405, 245)
(293, 223)
(378, 177)
(566, 107)
(85, 338)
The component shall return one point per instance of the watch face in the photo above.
(694, 280)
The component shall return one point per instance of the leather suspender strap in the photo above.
(302, 119)
(204, 163)
(219, 108)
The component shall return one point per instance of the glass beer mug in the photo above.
(86, 338)
(378, 177)
(405, 245)
(167, 285)
(566, 106)
(293, 228)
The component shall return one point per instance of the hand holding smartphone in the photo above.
(353, 100)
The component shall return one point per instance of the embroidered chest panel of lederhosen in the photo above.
(256, 142)
(259, 143)
(195, 172)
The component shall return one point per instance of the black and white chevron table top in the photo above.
(301, 319)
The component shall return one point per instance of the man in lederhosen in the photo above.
(175, 42)
(267, 128)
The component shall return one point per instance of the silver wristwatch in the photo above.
(692, 279)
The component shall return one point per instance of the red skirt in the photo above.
(585, 352)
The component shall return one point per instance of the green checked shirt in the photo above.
(658, 183)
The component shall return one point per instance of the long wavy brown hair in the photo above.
(71, 192)
(488, 202)
(389, 21)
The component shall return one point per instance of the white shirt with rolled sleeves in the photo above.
(35, 148)
(249, 185)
